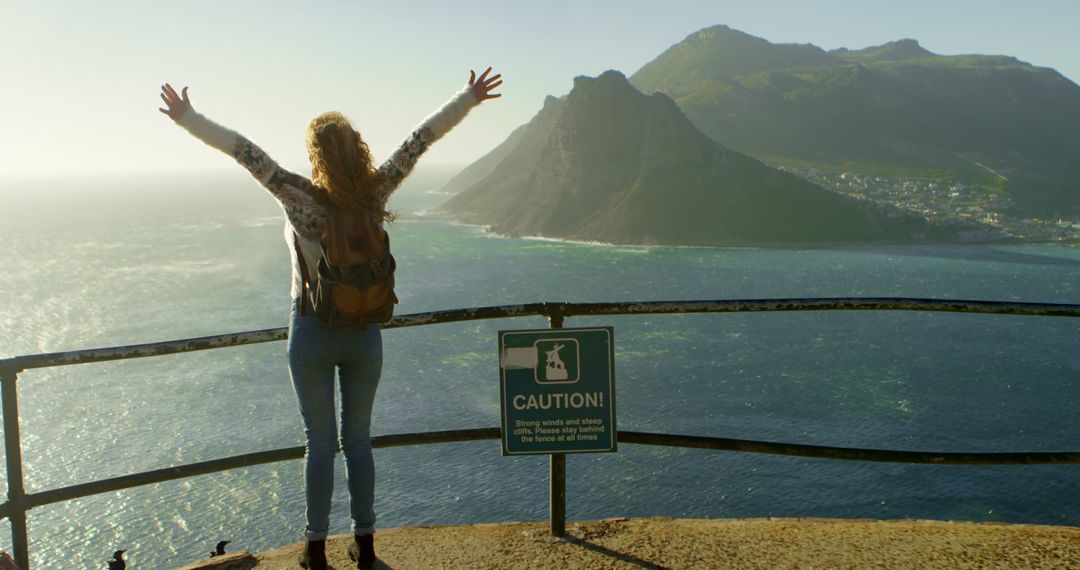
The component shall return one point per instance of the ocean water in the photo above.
(105, 262)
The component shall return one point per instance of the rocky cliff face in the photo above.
(608, 163)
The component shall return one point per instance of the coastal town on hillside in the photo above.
(945, 201)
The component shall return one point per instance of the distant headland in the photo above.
(728, 139)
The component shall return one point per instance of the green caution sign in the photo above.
(558, 390)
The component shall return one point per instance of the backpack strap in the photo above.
(304, 279)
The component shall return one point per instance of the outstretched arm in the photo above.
(401, 163)
(293, 191)
(178, 108)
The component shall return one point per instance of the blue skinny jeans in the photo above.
(315, 352)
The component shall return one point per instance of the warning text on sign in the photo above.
(558, 391)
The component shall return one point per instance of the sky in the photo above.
(79, 81)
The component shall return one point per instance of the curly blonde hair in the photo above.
(341, 167)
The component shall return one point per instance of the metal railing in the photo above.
(19, 502)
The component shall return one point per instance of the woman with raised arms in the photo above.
(343, 179)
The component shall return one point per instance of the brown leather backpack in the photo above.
(355, 281)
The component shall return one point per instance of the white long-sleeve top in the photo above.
(304, 216)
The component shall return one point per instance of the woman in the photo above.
(342, 177)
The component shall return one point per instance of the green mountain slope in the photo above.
(896, 105)
(608, 163)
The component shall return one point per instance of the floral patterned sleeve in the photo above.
(401, 163)
(295, 193)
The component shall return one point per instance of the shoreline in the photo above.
(491, 231)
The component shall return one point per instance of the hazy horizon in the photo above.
(83, 96)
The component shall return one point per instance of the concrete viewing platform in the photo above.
(663, 542)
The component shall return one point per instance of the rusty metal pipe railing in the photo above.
(235, 462)
(19, 502)
(20, 363)
(479, 434)
(16, 494)
(850, 453)
(86, 356)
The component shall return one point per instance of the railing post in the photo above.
(557, 507)
(13, 449)
(557, 493)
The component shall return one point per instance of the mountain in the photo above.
(893, 107)
(608, 163)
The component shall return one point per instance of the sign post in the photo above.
(557, 389)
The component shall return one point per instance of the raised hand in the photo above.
(175, 105)
(482, 88)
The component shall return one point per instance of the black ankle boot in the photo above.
(314, 555)
(362, 551)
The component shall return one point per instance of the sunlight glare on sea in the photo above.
(126, 264)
